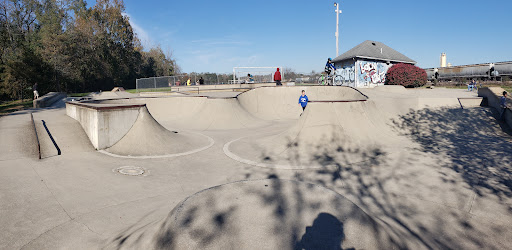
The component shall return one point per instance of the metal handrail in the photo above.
(37, 138)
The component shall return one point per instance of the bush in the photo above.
(406, 75)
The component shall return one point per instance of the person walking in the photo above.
(36, 94)
(277, 77)
(503, 105)
(303, 100)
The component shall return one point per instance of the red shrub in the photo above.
(406, 75)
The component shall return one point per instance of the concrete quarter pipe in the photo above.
(147, 138)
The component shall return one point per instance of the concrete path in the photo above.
(448, 186)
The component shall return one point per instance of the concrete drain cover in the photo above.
(130, 170)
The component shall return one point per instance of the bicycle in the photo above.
(330, 80)
(324, 80)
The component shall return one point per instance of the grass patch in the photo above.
(13, 106)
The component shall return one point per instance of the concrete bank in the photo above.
(49, 99)
(104, 124)
(492, 95)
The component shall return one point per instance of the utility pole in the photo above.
(337, 34)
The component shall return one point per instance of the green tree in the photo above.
(157, 63)
(17, 23)
(64, 45)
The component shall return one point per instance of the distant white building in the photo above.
(366, 64)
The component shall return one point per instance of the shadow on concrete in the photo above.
(478, 147)
(325, 233)
(414, 196)
(418, 193)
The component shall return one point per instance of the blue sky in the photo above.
(215, 36)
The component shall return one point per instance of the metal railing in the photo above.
(37, 138)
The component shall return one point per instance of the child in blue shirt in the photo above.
(303, 100)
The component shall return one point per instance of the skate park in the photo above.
(367, 168)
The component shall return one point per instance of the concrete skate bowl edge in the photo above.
(327, 133)
(263, 214)
(130, 131)
(197, 113)
(281, 103)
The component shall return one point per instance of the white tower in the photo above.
(443, 60)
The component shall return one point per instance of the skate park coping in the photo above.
(104, 124)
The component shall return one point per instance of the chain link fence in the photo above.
(164, 83)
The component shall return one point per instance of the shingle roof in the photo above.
(374, 50)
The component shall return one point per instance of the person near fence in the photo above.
(503, 105)
(201, 81)
(36, 94)
(188, 82)
(277, 77)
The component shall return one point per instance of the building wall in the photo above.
(361, 73)
(345, 73)
(371, 73)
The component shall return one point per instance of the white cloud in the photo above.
(141, 33)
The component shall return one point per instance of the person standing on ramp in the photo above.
(303, 100)
(34, 88)
(277, 77)
(503, 105)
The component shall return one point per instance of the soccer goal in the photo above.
(254, 74)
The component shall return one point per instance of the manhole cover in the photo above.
(130, 170)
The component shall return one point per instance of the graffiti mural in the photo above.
(345, 75)
(371, 72)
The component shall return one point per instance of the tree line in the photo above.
(63, 45)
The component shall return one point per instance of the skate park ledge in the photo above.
(104, 124)
(492, 98)
(48, 99)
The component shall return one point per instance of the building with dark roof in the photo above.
(366, 64)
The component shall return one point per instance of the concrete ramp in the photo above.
(129, 130)
(492, 96)
(391, 89)
(470, 102)
(198, 113)
(148, 138)
(327, 132)
(111, 95)
(281, 103)
(215, 114)
(262, 214)
(251, 109)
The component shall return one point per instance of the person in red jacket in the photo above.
(277, 77)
